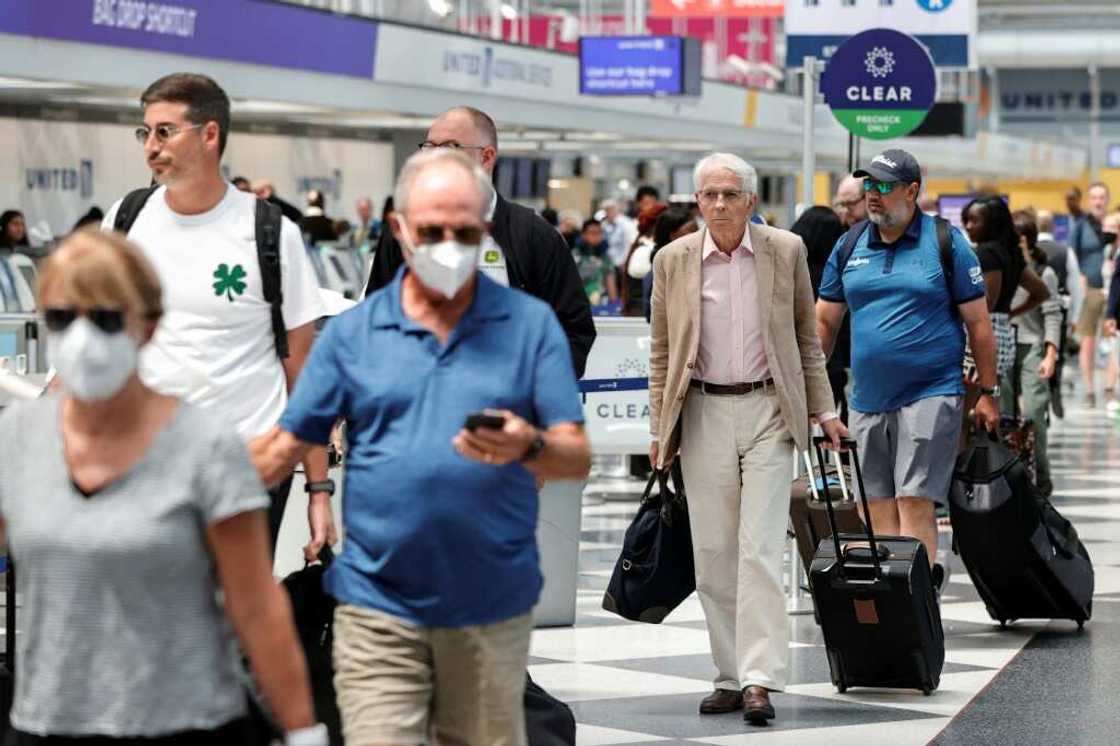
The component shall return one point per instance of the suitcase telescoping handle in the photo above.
(849, 445)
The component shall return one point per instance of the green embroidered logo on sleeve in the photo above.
(229, 281)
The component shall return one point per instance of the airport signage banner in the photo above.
(818, 27)
(880, 84)
(1046, 95)
(252, 31)
(639, 66)
(718, 8)
(615, 387)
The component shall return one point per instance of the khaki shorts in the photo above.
(1092, 311)
(402, 684)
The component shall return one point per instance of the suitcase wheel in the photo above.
(1080, 625)
(927, 690)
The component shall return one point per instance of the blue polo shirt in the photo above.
(907, 343)
(431, 537)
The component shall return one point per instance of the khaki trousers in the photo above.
(736, 455)
(401, 684)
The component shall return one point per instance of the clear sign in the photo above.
(880, 84)
(819, 27)
(639, 66)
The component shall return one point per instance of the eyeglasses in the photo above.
(108, 320)
(845, 205)
(467, 234)
(163, 132)
(452, 144)
(882, 187)
(711, 196)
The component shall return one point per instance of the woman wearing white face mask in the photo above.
(126, 512)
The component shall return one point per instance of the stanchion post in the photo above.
(809, 86)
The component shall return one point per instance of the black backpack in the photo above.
(944, 245)
(268, 218)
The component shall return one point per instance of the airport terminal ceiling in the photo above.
(609, 135)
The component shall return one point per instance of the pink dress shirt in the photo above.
(732, 349)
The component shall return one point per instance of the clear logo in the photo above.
(879, 62)
(935, 6)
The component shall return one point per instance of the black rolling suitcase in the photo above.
(1024, 558)
(875, 603)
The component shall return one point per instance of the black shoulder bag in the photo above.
(655, 570)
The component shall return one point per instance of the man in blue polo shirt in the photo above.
(907, 348)
(438, 574)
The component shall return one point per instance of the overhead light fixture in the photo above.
(509, 12)
(441, 8)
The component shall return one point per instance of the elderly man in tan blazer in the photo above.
(736, 371)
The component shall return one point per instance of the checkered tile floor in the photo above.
(634, 683)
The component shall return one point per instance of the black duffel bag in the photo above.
(313, 612)
(548, 721)
(655, 571)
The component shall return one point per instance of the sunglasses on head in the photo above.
(468, 234)
(108, 320)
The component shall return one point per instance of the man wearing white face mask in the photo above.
(438, 573)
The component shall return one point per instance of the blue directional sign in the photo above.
(880, 84)
(639, 66)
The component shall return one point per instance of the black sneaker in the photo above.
(937, 572)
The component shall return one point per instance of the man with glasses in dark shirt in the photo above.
(523, 251)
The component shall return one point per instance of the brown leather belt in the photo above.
(730, 389)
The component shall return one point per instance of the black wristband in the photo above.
(327, 485)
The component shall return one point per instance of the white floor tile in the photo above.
(580, 682)
(954, 692)
(618, 642)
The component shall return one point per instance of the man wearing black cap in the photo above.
(908, 291)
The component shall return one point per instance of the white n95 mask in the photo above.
(93, 365)
(445, 266)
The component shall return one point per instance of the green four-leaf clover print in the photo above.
(229, 281)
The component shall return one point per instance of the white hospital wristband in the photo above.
(316, 735)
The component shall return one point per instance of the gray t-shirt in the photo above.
(121, 629)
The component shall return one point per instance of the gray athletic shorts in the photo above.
(909, 452)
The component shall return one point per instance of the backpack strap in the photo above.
(130, 208)
(945, 249)
(268, 217)
(851, 238)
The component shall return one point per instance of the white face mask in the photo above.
(445, 266)
(93, 365)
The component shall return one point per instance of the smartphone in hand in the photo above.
(490, 419)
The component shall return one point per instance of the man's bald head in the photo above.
(472, 130)
(849, 203)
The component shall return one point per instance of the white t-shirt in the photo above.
(215, 347)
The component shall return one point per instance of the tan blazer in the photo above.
(789, 330)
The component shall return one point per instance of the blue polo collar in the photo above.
(913, 231)
(485, 307)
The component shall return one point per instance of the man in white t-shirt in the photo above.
(215, 346)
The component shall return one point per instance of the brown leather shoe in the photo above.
(720, 701)
(756, 704)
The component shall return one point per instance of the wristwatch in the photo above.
(992, 392)
(535, 447)
(327, 485)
